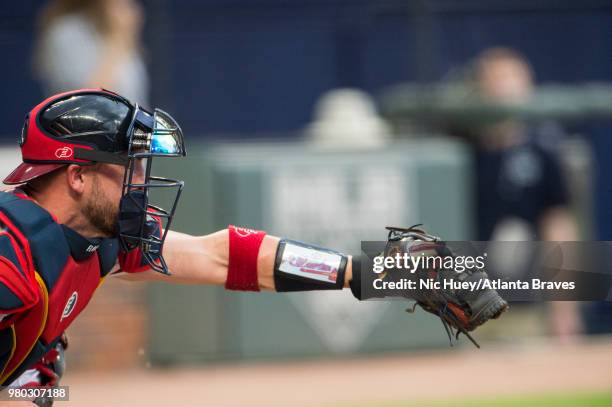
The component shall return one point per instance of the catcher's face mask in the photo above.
(142, 224)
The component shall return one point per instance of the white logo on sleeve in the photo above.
(70, 304)
(244, 232)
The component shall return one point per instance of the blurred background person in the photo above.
(521, 191)
(519, 175)
(91, 43)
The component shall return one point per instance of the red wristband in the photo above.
(243, 251)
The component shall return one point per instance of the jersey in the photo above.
(48, 274)
(522, 183)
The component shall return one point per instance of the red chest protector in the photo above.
(58, 272)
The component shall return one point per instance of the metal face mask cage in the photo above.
(149, 136)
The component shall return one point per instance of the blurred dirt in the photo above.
(455, 373)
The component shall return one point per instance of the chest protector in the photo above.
(62, 268)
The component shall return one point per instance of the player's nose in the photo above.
(139, 172)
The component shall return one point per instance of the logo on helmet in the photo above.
(64, 152)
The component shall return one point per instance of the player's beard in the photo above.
(102, 212)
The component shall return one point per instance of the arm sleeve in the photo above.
(133, 261)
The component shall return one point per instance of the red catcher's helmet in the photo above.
(61, 129)
(88, 126)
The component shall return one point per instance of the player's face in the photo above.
(505, 81)
(103, 196)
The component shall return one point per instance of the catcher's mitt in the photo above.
(459, 309)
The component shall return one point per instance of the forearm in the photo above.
(266, 264)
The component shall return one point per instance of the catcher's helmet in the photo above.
(63, 128)
(88, 126)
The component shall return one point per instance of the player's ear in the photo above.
(75, 178)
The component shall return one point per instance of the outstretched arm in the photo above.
(205, 260)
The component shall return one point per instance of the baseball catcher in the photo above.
(82, 209)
